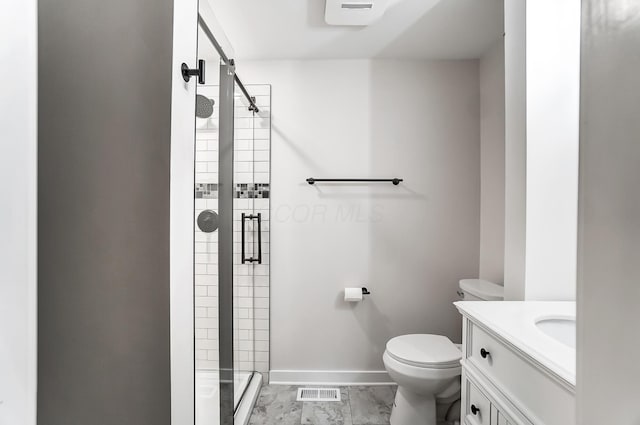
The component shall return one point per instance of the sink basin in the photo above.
(562, 329)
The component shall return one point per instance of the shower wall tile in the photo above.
(251, 282)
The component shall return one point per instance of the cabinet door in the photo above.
(494, 415)
(478, 409)
(502, 420)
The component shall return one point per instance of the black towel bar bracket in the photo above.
(395, 181)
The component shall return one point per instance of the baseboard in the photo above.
(243, 412)
(329, 377)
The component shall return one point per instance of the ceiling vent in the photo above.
(354, 12)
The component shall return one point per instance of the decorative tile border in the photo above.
(252, 191)
(206, 191)
(242, 191)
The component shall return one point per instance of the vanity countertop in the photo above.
(515, 322)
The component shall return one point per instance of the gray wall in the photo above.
(515, 148)
(104, 146)
(609, 231)
(409, 244)
(491, 70)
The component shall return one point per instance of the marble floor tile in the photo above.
(328, 413)
(371, 405)
(277, 405)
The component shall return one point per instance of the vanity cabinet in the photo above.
(479, 408)
(502, 385)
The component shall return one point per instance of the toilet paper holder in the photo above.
(365, 291)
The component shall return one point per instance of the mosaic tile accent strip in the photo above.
(252, 190)
(206, 191)
(242, 191)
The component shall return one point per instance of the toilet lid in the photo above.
(425, 350)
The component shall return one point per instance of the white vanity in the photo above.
(518, 363)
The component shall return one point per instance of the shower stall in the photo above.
(231, 236)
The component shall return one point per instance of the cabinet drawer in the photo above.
(537, 394)
(478, 408)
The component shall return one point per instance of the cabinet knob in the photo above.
(484, 353)
(475, 410)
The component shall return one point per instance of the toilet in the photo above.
(427, 367)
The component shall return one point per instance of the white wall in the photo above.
(515, 148)
(408, 244)
(18, 221)
(609, 250)
(492, 164)
(185, 45)
(542, 53)
(553, 104)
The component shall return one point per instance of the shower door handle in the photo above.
(259, 216)
(187, 72)
(252, 217)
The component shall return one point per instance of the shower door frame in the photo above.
(181, 223)
(225, 242)
(183, 394)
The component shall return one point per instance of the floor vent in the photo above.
(318, 394)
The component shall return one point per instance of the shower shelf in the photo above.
(395, 181)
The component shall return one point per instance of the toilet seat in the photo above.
(420, 372)
(424, 351)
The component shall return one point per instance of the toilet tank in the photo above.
(480, 290)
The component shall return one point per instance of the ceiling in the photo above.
(410, 29)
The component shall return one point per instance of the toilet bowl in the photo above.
(424, 366)
(427, 367)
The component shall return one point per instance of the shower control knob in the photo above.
(208, 221)
(484, 353)
(474, 409)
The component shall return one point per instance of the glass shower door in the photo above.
(207, 220)
(251, 256)
(247, 246)
(231, 241)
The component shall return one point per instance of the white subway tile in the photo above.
(261, 145)
(261, 303)
(262, 346)
(208, 345)
(261, 324)
(261, 167)
(206, 301)
(261, 177)
(206, 323)
(245, 324)
(261, 313)
(261, 134)
(205, 279)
